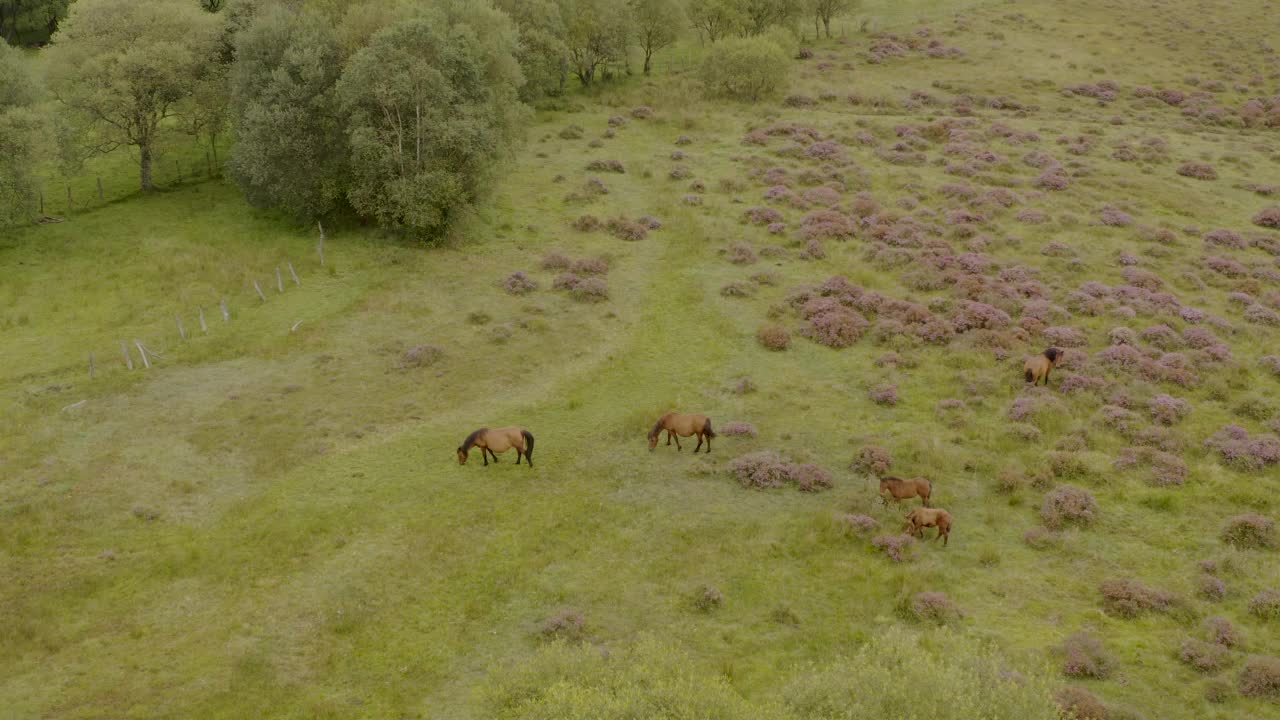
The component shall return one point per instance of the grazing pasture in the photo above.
(272, 520)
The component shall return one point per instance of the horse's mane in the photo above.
(1052, 354)
(657, 428)
(471, 439)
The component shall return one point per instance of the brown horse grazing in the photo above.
(492, 442)
(904, 489)
(682, 425)
(1038, 367)
(923, 517)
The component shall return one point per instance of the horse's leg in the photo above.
(699, 443)
(678, 447)
(1046, 376)
(517, 456)
(484, 455)
(668, 438)
(493, 454)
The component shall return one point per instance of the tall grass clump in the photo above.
(965, 681)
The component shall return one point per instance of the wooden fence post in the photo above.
(181, 331)
(42, 203)
(279, 280)
(320, 247)
(203, 328)
(124, 348)
(91, 366)
(258, 287)
(294, 273)
(226, 314)
(143, 352)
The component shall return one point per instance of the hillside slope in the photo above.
(272, 521)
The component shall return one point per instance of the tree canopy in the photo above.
(422, 138)
(121, 68)
(19, 125)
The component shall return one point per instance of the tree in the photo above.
(19, 128)
(596, 35)
(291, 149)
(122, 68)
(745, 68)
(714, 18)
(431, 106)
(543, 54)
(655, 23)
(757, 16)
(31, 21)
(824, 10)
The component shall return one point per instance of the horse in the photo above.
(682, 425)
(923, 517)
(1038, 367)
(492, 442)
(905, 489)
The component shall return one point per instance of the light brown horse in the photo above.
(682, 425)
(492, 442)
(1037, 368)
(905, 489)
(923, 517)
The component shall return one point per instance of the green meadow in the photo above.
(271, 520)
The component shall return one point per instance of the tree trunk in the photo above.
(144, 160)
(648, 55)
(826, 22)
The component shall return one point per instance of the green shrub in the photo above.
(647, 680)
(745, 69)
(965, 681)
(654, 679)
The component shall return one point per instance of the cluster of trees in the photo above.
(30, 22)
(717, 19)
(19, 131)
(394, 109)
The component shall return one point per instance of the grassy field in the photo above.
(271, 521)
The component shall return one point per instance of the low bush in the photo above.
(896, 547)
(1260, 678)
(1250, 530)
(872, 460)
(1068, 505)
(1129, 599)
(1203, 656)
(518, 283)
(935, 608)
(774, 337)
(613, 166)
(1080, 704)
(568, 625)
(421, 356)
(1084, 657)
(768, 469)
(1266, 605)
(738, 429)
(707, 598)
(1219, 630)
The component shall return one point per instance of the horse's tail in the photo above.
(528, 444)
(706, 428)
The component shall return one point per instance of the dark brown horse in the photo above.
(924, 517)
(492, 442)
(682, 425)
(901, 489)
(1037, 368)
